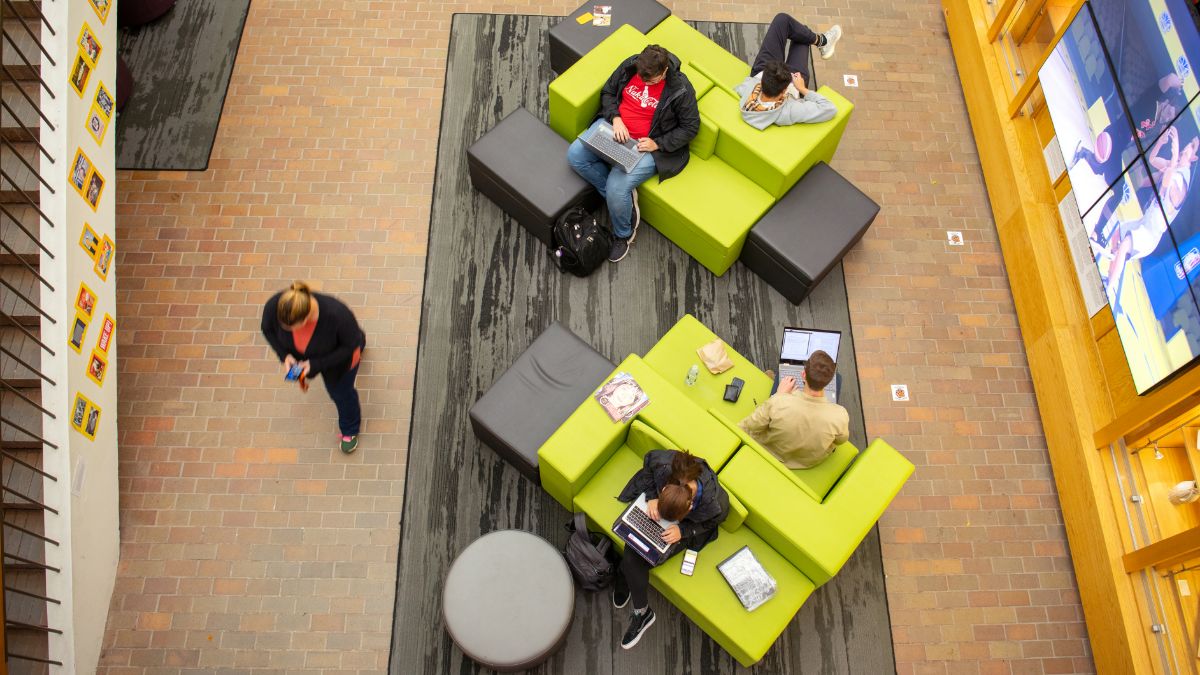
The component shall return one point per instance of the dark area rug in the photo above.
(181, 64)
(489, 291)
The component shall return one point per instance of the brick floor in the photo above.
(250, 545)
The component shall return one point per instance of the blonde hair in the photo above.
(295, 304)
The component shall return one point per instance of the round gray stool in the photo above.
(509, 600)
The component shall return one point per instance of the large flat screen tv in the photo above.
(1122, 96)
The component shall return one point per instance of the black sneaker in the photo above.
(638, 624)
(620, 594)
(620, 249)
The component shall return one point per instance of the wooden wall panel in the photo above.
(1063, 354)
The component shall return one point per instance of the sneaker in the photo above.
(620, 594)
(637, 217)
(638, 624)
(349, 444)
(831, 37)
(620, 249)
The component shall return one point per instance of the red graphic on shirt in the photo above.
(638, 103)
(642, 95)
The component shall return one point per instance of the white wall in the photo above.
(91, 465)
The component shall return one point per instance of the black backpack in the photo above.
(578, 244)
(588, 556)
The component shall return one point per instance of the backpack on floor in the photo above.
(587, 555)
(578, 244)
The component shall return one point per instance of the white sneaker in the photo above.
(637, 217)
(831, 37)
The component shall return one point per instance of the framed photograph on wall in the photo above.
(95, 186)
(106, 334)
(85, 301)
(97, 367)
(104, 258)
(101, 7)
(79, 328)
(88, 241)
(89, 46)
(80, 72)
(97, 124)
(81, 167)
(104, 101)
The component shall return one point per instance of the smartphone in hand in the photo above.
(293, 373)
(689, 562)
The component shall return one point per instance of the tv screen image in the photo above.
(1095, 135)
(1144, 278)
(1124, 99)
(1153, 44)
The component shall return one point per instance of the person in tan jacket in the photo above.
(800, 426)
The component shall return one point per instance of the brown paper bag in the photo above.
(714, 357)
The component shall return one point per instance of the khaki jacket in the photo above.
(800, 429)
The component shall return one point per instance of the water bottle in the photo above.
(693, 373)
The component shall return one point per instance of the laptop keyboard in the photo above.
(645, 526)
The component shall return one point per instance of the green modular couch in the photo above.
(802, 526)
(589, 459)
(815, 517)
(736, 172)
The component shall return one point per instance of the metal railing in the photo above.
(24, 258)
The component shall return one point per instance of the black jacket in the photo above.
(676, 121)
(699, 526)
(333, 342)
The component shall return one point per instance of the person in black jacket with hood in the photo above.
(649, 99)
(681, 488)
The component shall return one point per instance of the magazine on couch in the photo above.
(621, 397)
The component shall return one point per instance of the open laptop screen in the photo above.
(799, 343)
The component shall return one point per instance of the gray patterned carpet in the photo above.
(181, 64)
(489, 291)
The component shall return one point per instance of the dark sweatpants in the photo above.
(783, 33)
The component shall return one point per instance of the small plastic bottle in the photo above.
(693, 373)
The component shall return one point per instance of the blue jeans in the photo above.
(611, 182)
(345, 397)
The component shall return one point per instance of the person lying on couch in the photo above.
(776, 91)
(801, 427)
(681, 488)
(647, 98)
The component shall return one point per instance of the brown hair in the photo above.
(295, 304)
(684, 467)
(674, 501)
(775, 78)
(818, 371)
(651, 62)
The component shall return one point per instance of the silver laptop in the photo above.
(799, 344)
(642, 533)
(601, 141)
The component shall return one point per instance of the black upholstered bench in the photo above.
(532, 399)
(521, 164)
(570, 40)
(807, 232)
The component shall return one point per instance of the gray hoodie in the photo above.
(794, 109)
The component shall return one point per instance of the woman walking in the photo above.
(318, 335)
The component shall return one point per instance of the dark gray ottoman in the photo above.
(509, 600)
(536, 395)
(807, 232)
(570, 40)
(522, 166)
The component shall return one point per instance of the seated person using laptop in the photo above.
(647, 99)
(680, 488)
(777, 91)
(801, 427)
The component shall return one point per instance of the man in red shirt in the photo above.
(649, 99)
